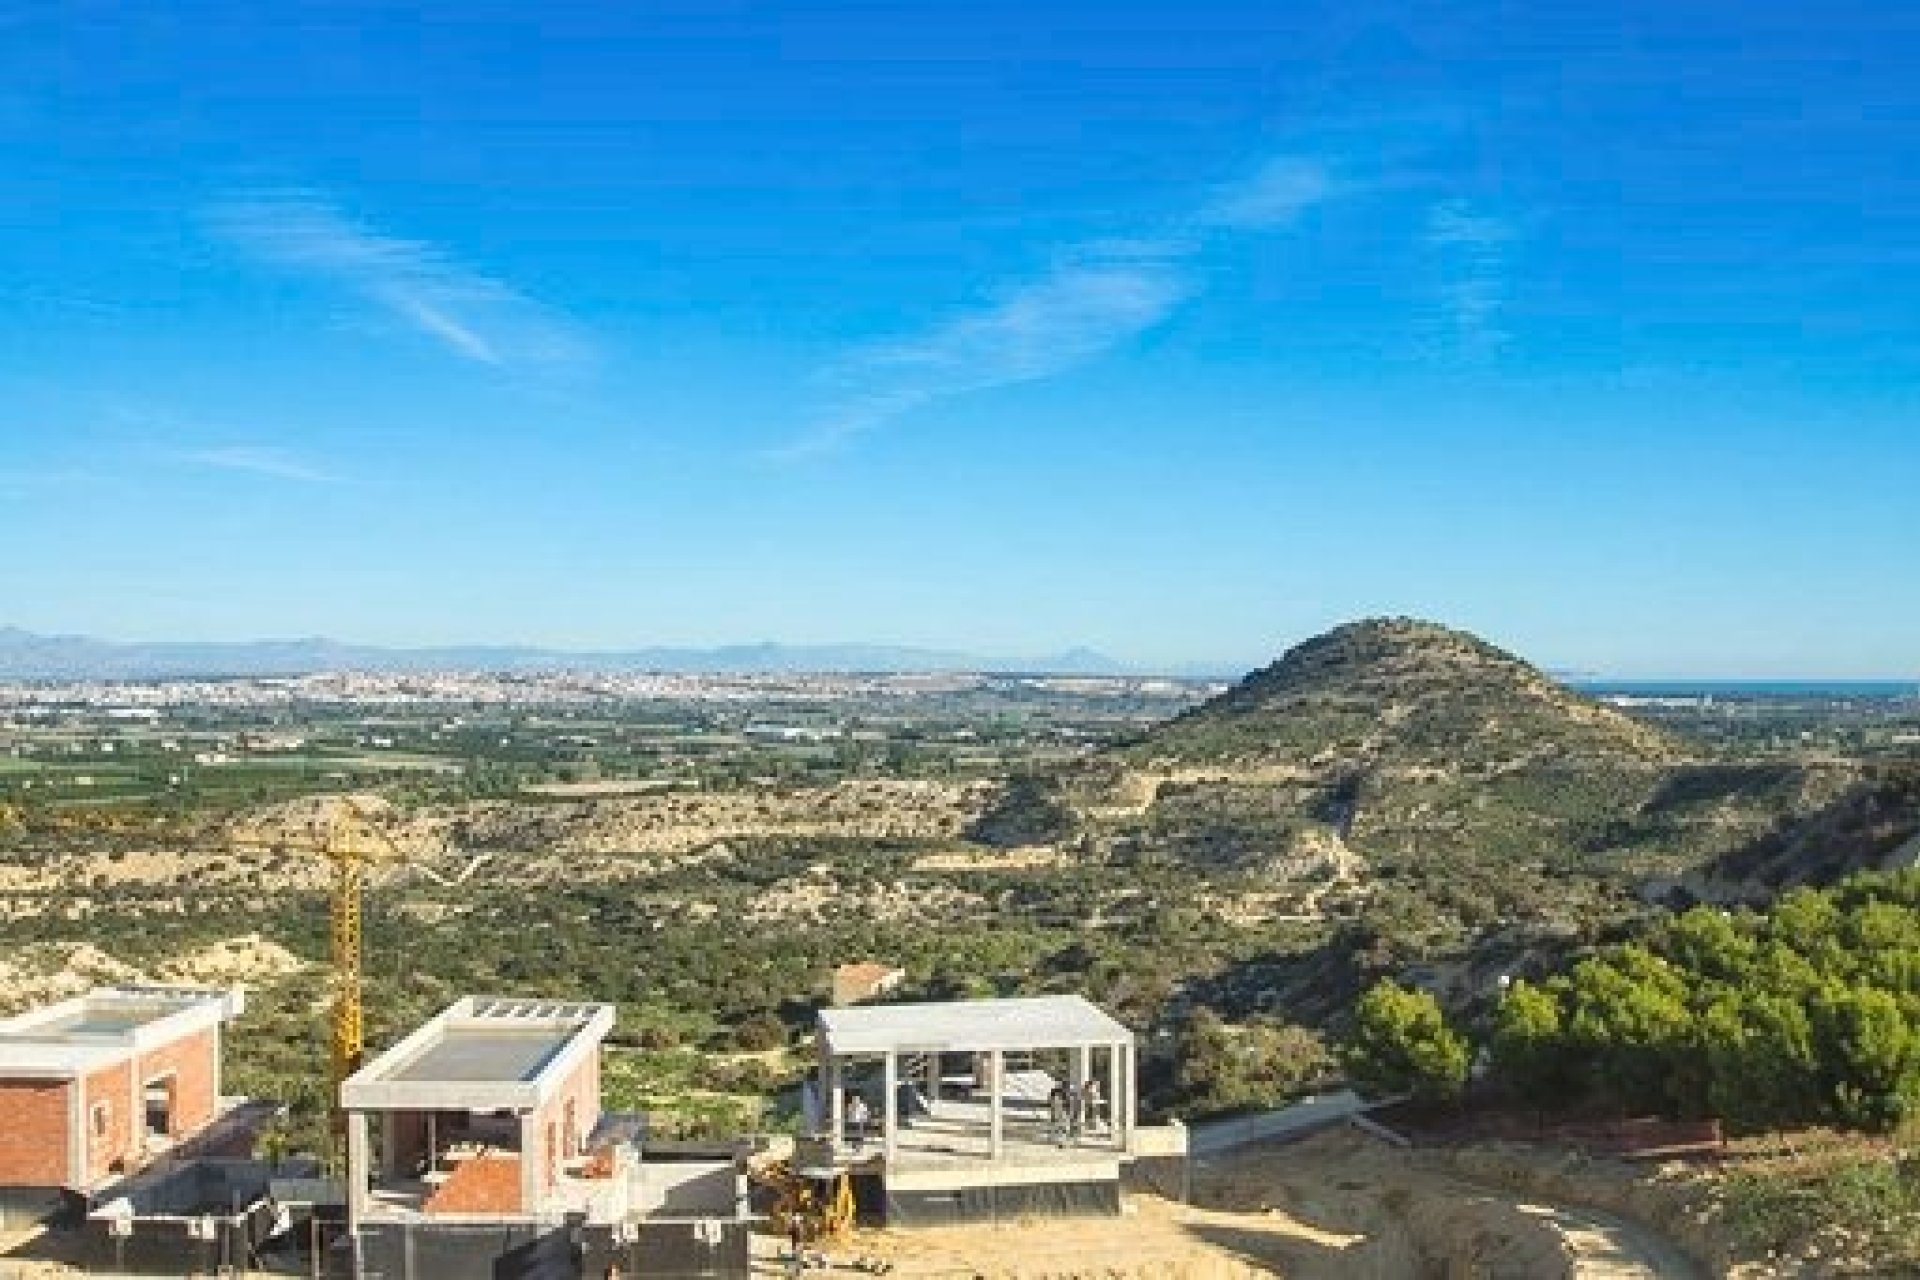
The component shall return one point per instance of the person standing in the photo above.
(1093, 1104)
(1057, 1111)
(857, 1117)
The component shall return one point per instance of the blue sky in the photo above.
(1181, 331)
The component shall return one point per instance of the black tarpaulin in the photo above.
(1003, 1203)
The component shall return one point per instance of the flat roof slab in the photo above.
(481, 1053)
(108, 1025)
(468, 1054)
(1023, 1022)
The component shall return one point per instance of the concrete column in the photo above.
(890, 1113)
(136, 1125)
(1130, 1081)
(1114, 1085)
(836, 1104)
(79, 1129)
(1078, 1122)
(533, 1162)
(996, 1091)
(357, 1161)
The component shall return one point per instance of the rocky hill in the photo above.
(1400, 693)
(1400, 749)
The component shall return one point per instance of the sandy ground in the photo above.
(1338, 1206)
(1155, 1239)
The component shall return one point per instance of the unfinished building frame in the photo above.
(966, 1103)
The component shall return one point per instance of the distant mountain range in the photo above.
(25, 655)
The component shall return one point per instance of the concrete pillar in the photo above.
(1130, 1083)
(996, 1091)
(890, 1113)
(836, 1104)
(1078, 1121)
(1114, 1085)
(357, 1161)
(533, 1162)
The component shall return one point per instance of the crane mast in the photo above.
(351, 842)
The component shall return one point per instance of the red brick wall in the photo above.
(191, 1060)
(485, 1184)
(582, 1088)
(33, 1135)
(111, 1089)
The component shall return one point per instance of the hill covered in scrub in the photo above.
(1400, 693)
(1400, 750)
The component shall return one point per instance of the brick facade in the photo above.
(556, 1133)
(111, 1120)
(194, 1064)
(485, 1184)
(36, 1117)
(33, 1137)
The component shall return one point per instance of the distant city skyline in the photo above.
(1177, 332)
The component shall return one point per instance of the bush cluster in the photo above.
(1806, 1014)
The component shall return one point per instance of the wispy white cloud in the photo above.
(469, 313)
(1472, 248)
(1099, 296)
(261, 460)
(1086, 306)
(1275, 196)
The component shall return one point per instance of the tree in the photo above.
(1262, 1063)
(1632, 1025)
(1529, 1044)
(1760, 1052)
(1870, 1053)
(1401, 1043)
(760, 1032)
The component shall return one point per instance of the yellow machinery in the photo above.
(348, 834)
(804, 1196)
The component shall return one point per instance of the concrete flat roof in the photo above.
(477, 1053)
(81, 1035)
(1023, 1022)
(481, 1053)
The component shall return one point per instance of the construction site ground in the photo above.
(1336, 1205)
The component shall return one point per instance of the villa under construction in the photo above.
(95, 1089)
(975, 1110)
(477, 1146)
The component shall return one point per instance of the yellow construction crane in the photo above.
(348, 833)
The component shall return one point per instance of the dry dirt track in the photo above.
(1412, 1218)
(1610, 1248)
